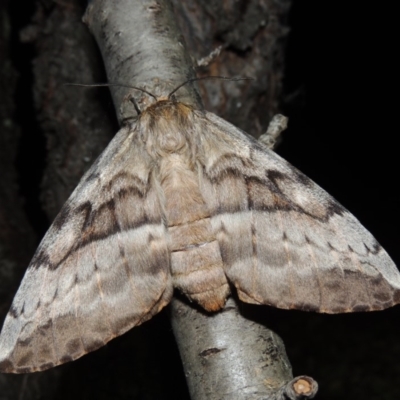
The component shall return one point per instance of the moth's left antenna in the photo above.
(111, 85)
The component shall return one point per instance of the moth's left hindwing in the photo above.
(284, 241)
(102, 268)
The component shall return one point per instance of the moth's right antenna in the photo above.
(207, 77)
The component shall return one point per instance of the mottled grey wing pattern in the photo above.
(284, 241)
(101, 269)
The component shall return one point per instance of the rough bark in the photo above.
(252, 35)
(76, 123)
(14, 225)
(17, 239)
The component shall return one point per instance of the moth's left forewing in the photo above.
(284, 240)
(102, 268)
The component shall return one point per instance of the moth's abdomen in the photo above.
(196, 262)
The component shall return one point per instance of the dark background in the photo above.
(338, 96)
(344, 138)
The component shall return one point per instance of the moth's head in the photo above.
(164, 101)
(166, 109)
(160, 95)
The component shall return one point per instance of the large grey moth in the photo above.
(183, 199)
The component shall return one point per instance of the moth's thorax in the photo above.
(166, 127)
(164, 118)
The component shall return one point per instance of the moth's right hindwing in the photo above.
(284, 241)
(102, 268)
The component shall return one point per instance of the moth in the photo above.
(183, 199)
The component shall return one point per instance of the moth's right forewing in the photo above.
(284, 241)
(101, 269)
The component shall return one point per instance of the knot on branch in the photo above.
(300, 388)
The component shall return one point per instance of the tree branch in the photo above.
(225, 355)
(141, 47)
